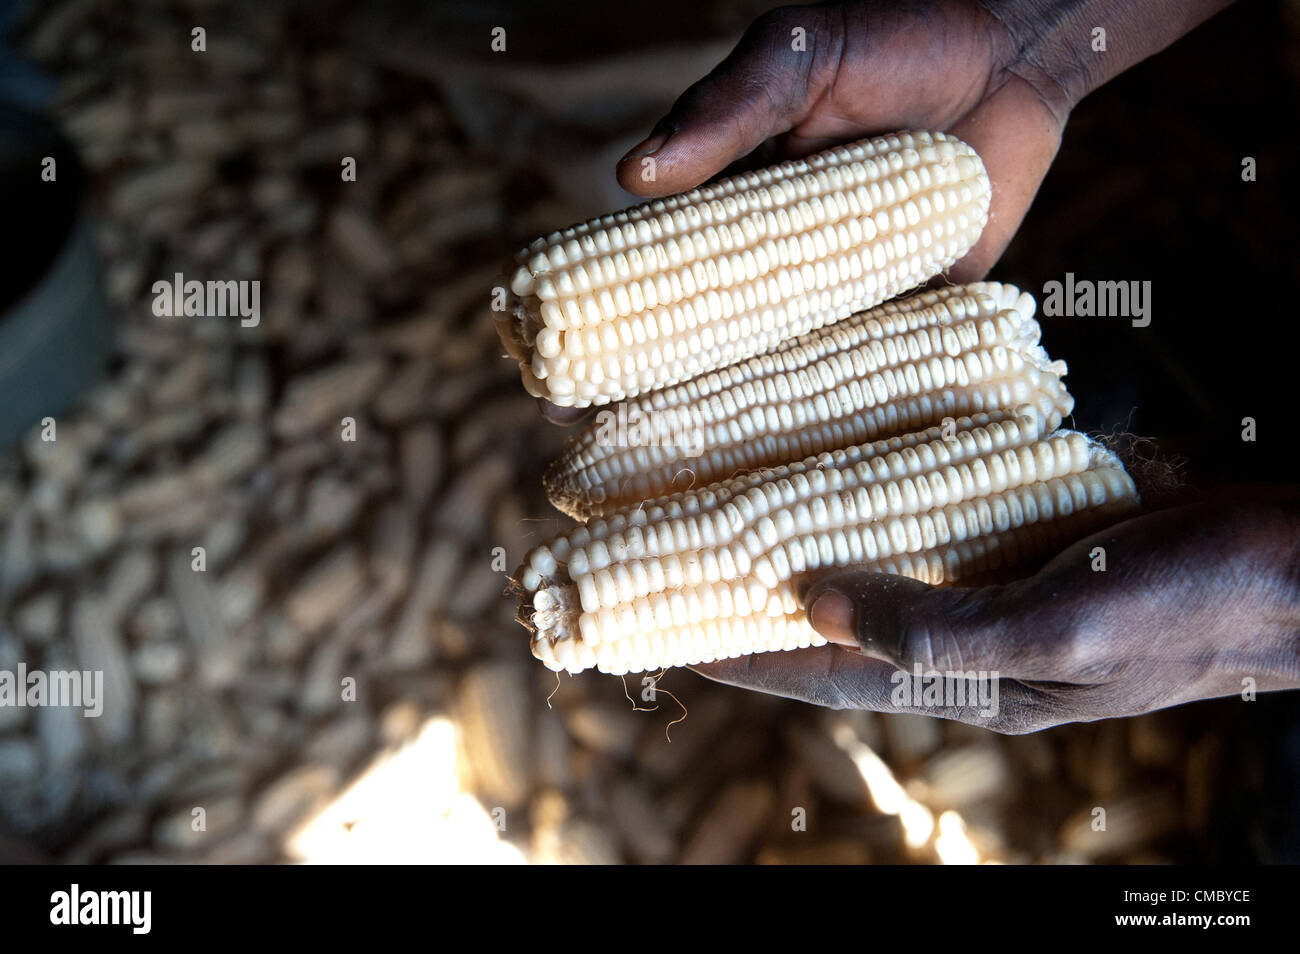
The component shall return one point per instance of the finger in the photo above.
(758, 91)
(1017, 136)
(563, 416)
(838, 679)
(949, 629)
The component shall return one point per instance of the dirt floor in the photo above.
(370, 562)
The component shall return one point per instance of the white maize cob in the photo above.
(677, 287)
(902, 366)
(495, 732)
(710, 574)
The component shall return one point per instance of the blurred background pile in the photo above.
(369, 563)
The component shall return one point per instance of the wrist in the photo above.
(1056, 46)
(1256, 586)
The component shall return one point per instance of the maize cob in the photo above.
(497, 733)
(902, 366)
(710, 574)
(677, 287)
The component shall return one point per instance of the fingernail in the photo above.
(563, 416)
(832, 615)
(648, 146)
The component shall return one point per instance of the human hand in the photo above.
(1004, 81)
(865, 68)
(868, 68)
(1193, 601)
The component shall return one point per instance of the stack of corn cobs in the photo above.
(787, 422)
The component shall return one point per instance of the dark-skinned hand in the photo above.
(1195, 602)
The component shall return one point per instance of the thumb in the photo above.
(1016, 135)
(758, 91)
(908, 623)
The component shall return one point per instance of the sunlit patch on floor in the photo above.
(950, 846)
(406, 808)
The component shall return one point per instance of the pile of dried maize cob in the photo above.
(919, 437)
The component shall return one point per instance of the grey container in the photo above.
(56, 333)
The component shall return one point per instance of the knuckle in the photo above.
(1076, 646)
(928, 642)
(942, 631)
